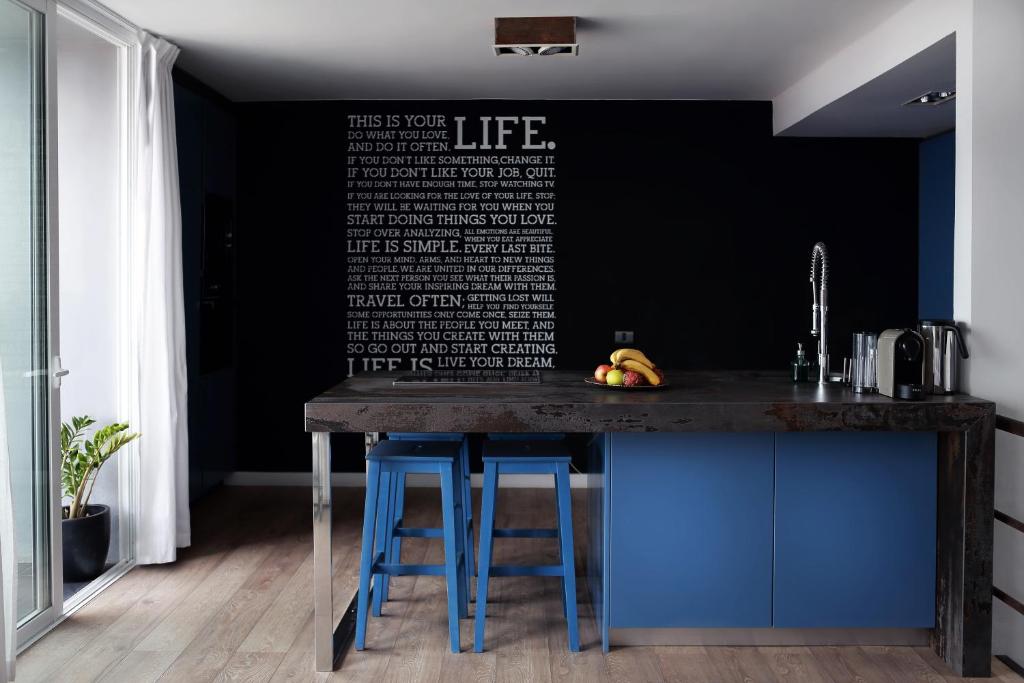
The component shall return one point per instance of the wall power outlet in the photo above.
(623, 336)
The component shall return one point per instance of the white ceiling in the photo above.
(876, 108)
(440, 49)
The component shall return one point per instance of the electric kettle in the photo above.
(944, 347)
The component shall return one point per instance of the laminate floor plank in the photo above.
(194, 610)
(139, 667)
(935, 662)
(847, 665)
(250, 667)
(742, 664)
(903, 663)
(237, 606)
(413, 626)
(517, 614)
(795, 665)
(276, 630)
(219, 639)
(297, 664)
(686, 664)
(89, 623)
(172, 581)
(629, 664)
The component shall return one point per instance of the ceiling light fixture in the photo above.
(527, 36)
(931, 98)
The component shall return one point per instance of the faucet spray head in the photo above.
(818, 253)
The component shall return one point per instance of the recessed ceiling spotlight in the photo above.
(535, 36)
(513, 50)
(931, 98)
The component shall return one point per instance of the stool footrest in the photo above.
(526, 533)
(412, 532)
(526, 570)
(395, 569)
(409, 569)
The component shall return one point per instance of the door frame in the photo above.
(47, 617)
(124, 35)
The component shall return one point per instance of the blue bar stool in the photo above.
(527, 457)
(397, 506)
(390, 459)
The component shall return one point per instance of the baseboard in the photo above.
(358, 479)
(769, 637)
(1011, 664)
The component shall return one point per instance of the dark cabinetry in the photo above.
(207, 139)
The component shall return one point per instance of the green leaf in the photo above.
(82, 458)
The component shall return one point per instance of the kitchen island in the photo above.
(762, 473)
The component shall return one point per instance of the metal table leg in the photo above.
(323, 597)
(329, 643)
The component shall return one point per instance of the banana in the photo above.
(649, 374)
(631, 354)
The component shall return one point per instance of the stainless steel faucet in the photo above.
(819, 311)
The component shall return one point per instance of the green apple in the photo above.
(614, 377)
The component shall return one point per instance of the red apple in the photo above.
(601, 373)
(632, 378)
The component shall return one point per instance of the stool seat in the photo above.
(525, 436)
(400, 450)
(543, 450)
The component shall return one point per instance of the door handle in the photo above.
(58, 372)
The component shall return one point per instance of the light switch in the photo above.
(623, 336)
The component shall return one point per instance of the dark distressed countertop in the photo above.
(694, 401)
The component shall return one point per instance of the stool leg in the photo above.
(366, 555)
(568, 557)
(468, 498)
(558, 522)
(383, 536)
(450, 549)
(458, 492)
(397, 510)
(486, 551)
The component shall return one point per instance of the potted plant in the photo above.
(86, 528)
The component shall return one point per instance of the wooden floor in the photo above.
(237, 606)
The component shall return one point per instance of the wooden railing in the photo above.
(1015, 427)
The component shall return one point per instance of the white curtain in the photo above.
(8, 623)
(158, 314)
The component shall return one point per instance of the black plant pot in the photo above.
(86, 542)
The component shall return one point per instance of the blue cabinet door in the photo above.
(690, 530)
(855, 530)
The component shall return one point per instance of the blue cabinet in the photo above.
(855, 530)
(689, 530)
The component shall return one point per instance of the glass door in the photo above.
(27, 337)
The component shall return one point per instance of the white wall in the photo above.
(915, 27)
(910, 30)
(989, 235)
(996, 370)
(89, 199)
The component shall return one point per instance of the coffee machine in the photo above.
(900, 369)
(943, 348)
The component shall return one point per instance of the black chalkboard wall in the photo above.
(687, 222)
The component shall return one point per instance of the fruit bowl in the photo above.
(591, 380)
(629, 369)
